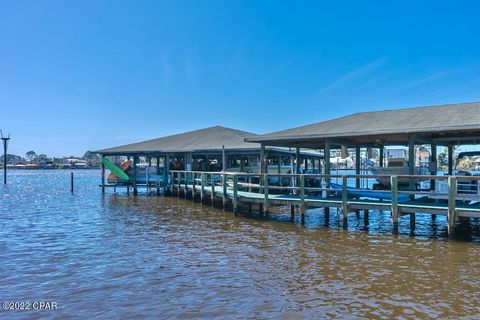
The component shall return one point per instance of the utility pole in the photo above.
(5, 145)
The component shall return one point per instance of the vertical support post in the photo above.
(302, 198)
(292, 212)
(235, 193)
(365, 218)
(297, 161)
(5, 156)
(382, 156)
(326, 155)
(450, 160)
(357, 166)
(224, 191)
(185, 184)
(157, 163)
(394, 191)
(135, 191)
(71, 182)
(179, 180)
(262, 158)
(265, 193)
(433, 165)
(166, 171)
(411, 161)
(224, 159)
(212, 179)
(202, 187)
(279, 164)
(102, 175)
(193, 185)
(451, 216)
(344, 201)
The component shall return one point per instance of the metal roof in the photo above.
(203, 140)
(431, 123)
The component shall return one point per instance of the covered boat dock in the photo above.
(211, 149)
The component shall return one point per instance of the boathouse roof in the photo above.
(443, 124)
(211, 139)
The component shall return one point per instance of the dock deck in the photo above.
(237, 189)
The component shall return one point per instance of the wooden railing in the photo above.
(305, 187)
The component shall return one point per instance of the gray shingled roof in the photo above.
(208, 139)
(427, 120)
(203, 140)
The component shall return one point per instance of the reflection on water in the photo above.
(117, 256)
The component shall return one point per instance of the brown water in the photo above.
(116, 256)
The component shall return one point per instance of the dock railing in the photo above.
(413, 194)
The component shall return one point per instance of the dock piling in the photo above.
(235, 194)
(451, 214)
(302, 198)
(394, 210)
(71, 182)
(344, 202)
(202, 186)
(265, 193)
(224, 191)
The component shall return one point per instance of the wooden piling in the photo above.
(344, 201)
(235, 194)
(292, 212)
(365, 218)
(302, 198)
(224, 191)
(394, 210)
(265, 193)
(102, 176)
(185, 184)
(71, 182)
(451, 215)
(135, 190)
(202, 186)
(212, 179)
(193, 185)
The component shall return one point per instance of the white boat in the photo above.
(396, 167)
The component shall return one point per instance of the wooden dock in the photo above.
(237, 189)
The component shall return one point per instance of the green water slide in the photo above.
(121, 175)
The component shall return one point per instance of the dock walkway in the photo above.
(237, 189)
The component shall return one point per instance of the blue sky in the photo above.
(80, 75)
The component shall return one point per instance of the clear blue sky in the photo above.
(80, 75)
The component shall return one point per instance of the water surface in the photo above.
(118, 256)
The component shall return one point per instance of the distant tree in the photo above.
(89, 155)
(92, 158)
(30, 155)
